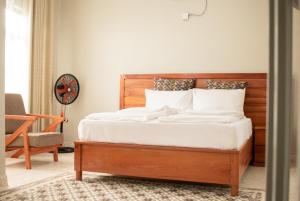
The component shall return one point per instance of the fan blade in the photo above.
(60, 86)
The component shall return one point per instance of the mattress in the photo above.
(196, 135)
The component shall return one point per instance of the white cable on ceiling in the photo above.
(202, 12)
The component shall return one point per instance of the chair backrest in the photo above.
(14, 105)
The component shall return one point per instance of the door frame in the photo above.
(280, 100)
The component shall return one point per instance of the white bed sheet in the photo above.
(196, 135)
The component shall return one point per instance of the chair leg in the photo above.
(55, 154)
(27, 153)
(18, 153)
(27, 159)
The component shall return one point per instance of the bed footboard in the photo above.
(159, 162)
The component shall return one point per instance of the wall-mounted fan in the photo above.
(66, 90)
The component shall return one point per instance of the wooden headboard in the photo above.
(133, 86)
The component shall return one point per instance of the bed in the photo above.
(201, 160)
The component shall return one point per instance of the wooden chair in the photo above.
(18, 136)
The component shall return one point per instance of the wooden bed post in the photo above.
(122, 91)
(77, 161)
(235, 174)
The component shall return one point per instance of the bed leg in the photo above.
(78, 175)
(78, 161)
(235, 174)
(234, 190)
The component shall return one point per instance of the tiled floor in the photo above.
(44, 167)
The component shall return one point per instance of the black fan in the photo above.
(66, 90)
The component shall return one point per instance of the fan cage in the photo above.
(66, 89)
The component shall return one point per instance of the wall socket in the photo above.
(185, 16)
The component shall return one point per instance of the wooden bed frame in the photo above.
(175, 163)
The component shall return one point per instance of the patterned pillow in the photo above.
(161, 84)
(224, 84)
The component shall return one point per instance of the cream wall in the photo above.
(3, 180)
(97, 40)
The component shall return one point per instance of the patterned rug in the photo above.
(110, 188)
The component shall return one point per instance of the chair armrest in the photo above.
(23, 129)
(44, 116)
(20, 117)
(56, 120)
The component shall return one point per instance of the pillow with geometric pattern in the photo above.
(162, 84)
(225, 84)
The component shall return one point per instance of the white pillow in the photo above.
(219, 101)
(175, 99)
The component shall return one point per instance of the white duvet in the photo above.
(196, 135)
(165, 114)
(133, 114)
(167, 127)
(198, 117)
